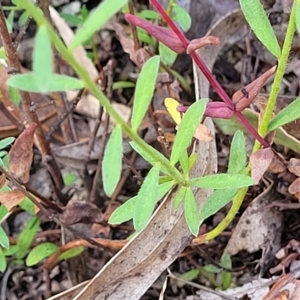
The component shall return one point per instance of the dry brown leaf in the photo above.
(202, 133)
(277, 165)
(260, 161)
(294, 166)
(294, 188)
(21, 154)
(11, 199)
(81, 212)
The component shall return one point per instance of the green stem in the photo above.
(93, 88)
(170, 7)
(282, 62)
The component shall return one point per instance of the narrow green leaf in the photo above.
(11, 250)
(226, 276)
(179, 197)
(298, 16)
(26, 237)
(14, 95)
(53, 83)
(40, 252)
(222, 181)
(182, 17)
(238, 155)
(212, 269)
(42, 55)
(3, 263)
(123, 85)
(192, 160)
(112, 161)
(217, 200)
(6, 142)
(28, 206)
(4, 241)
(144, 91)
(96, 20)
(71, 253)
(286, 115)
(71, 19)
(123, 213)
(23, 18)
(167, 55)
(147, 196)
(190, 275)
(184, 163)
(260, 24)
(191, 212)
(10, 21)
(148, 14)
(186, 130)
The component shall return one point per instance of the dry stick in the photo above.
(67, 126)
(21, 33)
(133, 27)
(31, 116)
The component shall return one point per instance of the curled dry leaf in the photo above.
(21, 154)
(11, 199)
(201, 42)
(162, 34)
(277, 166)
(245, 96)
(260, 161)
(81, 212)
(294, 166)
(202, 133)
(294, 188)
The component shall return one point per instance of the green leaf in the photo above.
(70, 178)
(27, 205)
(167, 55)
(26, 237)
(3, 263)
(71, 253)
(11, 250)
(182, 17)
(217, 200)
(40, 252)
(238, 155)
(6, 142)
(53, 83)
(184, 163)
(42, 55)
(191, 212)
(10, 21)
(260, 24)
(286, 115)
(71, 19)
(211, 269)
(186, 130)
(23, 18)
(147, 197)
(96, 20)
(123, 85)
(124, 212)
(144, 91)
(112, 161)
(4, 241)
(148, 14)
(226, 276)
(190, 275)
(222, 181)
(179, 197)
(14, 95)
(192, 160)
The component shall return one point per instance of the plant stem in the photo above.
(282, 62)
(93, 88)
(209, 76)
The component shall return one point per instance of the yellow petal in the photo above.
(171, 105)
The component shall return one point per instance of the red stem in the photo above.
(211, 79)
